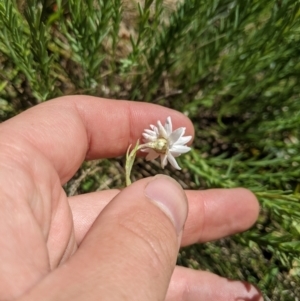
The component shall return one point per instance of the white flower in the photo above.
(162, 141)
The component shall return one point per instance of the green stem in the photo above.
(130, 157)
(129, 162)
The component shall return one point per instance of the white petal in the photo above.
(168, 126)
(172, 161)
(150, 132)
(149, 137)
(176, 135)
(152, 155)
(183, 140)
(163, 160)
(180, 149)
(154, 129)
(162, 131)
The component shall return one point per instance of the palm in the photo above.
(41, 234)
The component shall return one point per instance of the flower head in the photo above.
(164, 142)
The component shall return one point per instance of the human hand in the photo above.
(108, 245)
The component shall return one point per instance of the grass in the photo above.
(231, 66)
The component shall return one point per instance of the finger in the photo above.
(218, 213)
(190, 285)
(129, 253)
(69, 129)
(213, 213)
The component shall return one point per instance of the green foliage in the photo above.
(231, 66)
(91, 23)
(25, 45)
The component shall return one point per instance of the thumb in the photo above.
(131, 250)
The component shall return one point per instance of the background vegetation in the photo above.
(232, 66)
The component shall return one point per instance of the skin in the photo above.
(108, 245)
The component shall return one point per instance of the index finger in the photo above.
(73, 128)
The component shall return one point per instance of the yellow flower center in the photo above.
(160, 145)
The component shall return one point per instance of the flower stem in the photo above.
(130, 157)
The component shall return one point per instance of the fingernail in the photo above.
(168, 195)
